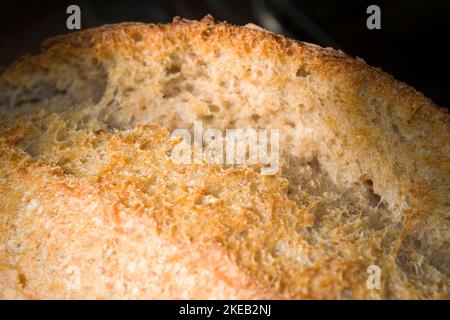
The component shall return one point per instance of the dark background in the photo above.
(412, 44)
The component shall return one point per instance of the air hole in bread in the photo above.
(32, 149)
(302, 72)
(206, 33)
(213, 108)
(172, 87)
(112, 122)
(127, 90)
(189, 87)
(373, 198)
(441, 259)
(132, 121)
(22, 280)
(137, 37)
(290, 51)
(407, 260)
(63, 162)
(61, 135)
(314, 164)
(67, 144)
(172, 69)
(208, 118)
(82, 123)
(290, 123)
(41, 92)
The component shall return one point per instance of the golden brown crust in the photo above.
(376, 127)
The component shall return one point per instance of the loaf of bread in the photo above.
(92, 206)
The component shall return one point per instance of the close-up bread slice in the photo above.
(92, 206)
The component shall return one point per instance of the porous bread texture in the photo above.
(93, 207)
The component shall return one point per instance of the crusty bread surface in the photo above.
(92, 206)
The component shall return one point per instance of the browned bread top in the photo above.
(92, 206)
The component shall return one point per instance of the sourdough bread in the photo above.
(92, 205)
